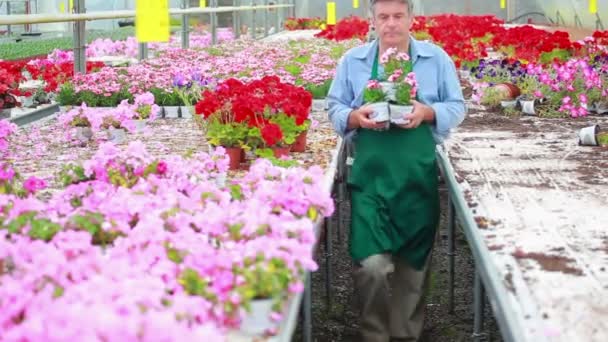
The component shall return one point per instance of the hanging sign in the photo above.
(331, 13)
(203, 3)
(355, 3)
(593, 6)
(152, 21)
(503, 4)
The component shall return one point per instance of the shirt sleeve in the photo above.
(450, 110)
(339, 99)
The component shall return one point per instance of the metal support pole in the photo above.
(266, 19)
(307, 330)
(214, 24)
(253, 21)
(599, 25)
(341, 182)
(8, 12)
(328, 268)
(451, 253)
(80, 63)
(479, 303)
(577, 21)
(142, 51)
(236, 19)
(277, 18)
(185, 25)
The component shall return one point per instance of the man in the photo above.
(393, 182)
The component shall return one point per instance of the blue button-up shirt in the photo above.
(438, 85)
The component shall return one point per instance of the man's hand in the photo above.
(421, 113)
(360, 118)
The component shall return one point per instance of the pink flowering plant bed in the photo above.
(307, 63)
(152, 240)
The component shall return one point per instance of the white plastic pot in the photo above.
(528, 106)
(171, 111)
(187, 111)
(389, 89)
(220, 180)
(508, 103)
(381, 112)
(258, 320)
(587, 135)
(117, 136)
(398, 113)
(83, 134)
(140, 125)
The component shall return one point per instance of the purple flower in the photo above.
(179, 80)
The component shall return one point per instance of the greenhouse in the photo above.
(278, 170)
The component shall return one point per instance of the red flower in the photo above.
(271, 134)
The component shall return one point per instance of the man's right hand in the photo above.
(360, 118)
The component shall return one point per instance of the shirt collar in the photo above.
(418, 50)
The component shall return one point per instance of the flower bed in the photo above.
(195, 272)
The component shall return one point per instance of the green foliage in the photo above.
(214, 51)
(602, 139)
(39, 229)
(164, 98)
(174, 254)
(492, 97)
(288, 127)
(265, 280)
(236, 192)
(36, 47)
(373, 95)
(267, 153)
(71, 174)
(66, 95)
(337, 51)
(230, 134)
(559, 54)
(319, 91)
(294, 69)
(528, 85)
(43, 229)
(402, 93)
(304, 59)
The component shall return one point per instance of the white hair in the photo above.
(409, 3)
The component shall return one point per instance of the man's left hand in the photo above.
(421, 113)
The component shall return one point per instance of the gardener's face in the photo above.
(392, 21)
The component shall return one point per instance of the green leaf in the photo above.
(43, 229)
(236, 192)
(58, 292)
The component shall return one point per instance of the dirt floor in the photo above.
(339, 321)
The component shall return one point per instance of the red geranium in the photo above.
(347, 28)
(272, 134)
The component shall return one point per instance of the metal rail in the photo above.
(79, 17)
(62, 18)
(486, 278)
(35, 115)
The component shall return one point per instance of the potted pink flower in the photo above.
(375, 96)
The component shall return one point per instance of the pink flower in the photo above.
(161, 168)
(33, 184)
(373, 84)
(6, 172)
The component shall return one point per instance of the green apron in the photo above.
(394, 192)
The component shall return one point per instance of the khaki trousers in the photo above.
(391, 298)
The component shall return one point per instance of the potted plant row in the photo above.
(265, 116)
